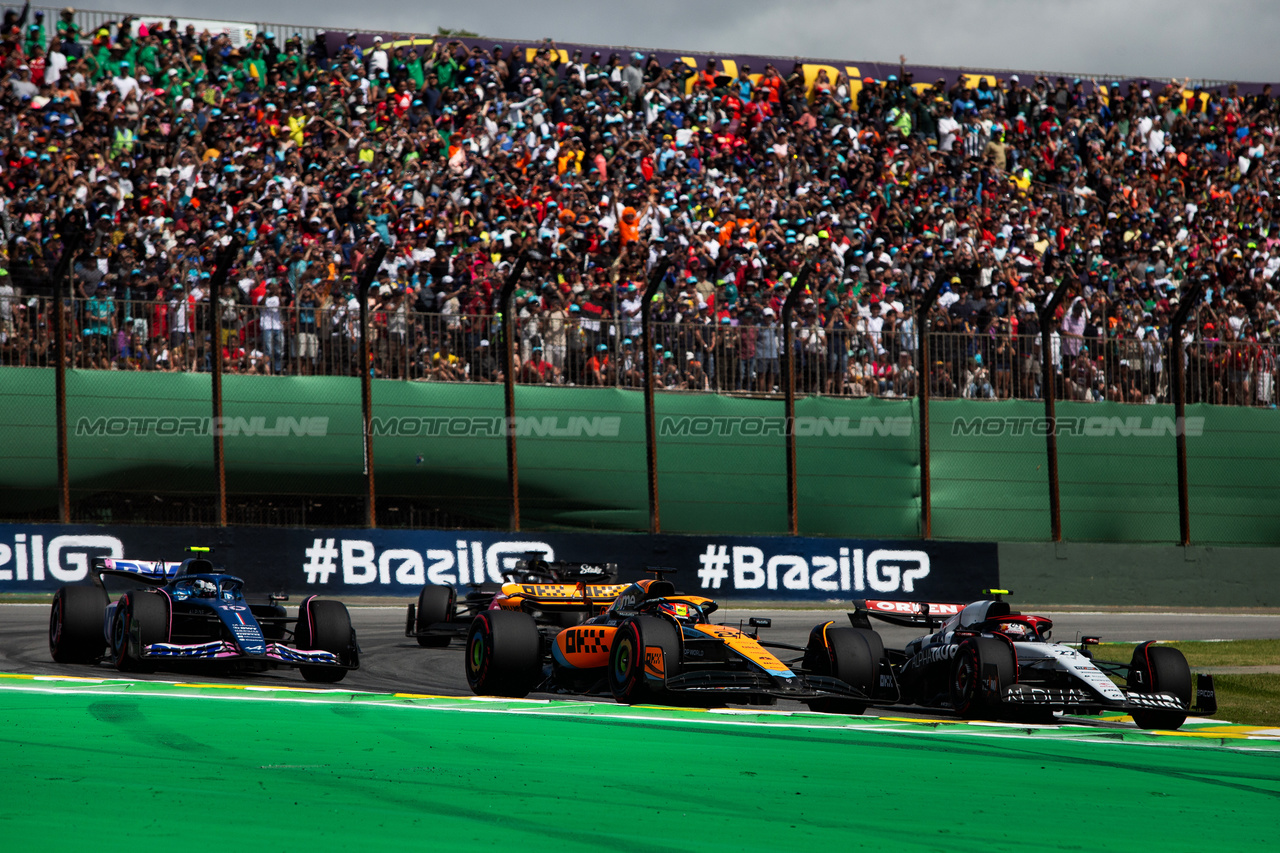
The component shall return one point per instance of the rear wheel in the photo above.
(149, 611)
(75, 624)
(645, 653)
(435, 604)
(849, 654)
(324, 625)
(970, 696)
(504, 654)
(1163, 670)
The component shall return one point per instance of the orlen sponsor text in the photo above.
(358, 562)
(849, 570)
(63, 558)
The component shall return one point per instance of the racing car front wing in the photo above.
(799, 687)
(1074, 699)
(223, 649)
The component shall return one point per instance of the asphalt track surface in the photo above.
(391, 662)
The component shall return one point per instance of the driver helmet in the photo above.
(1016, 630)
(204, 588)
(679, 611)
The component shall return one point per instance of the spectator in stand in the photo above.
(464, 156)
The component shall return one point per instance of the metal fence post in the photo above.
(1047, 391)
(72, 229)
(650, 437)
(216, 283)
(922, 376)
(366, 380)
(1189, 299)
(789, 398)
(509, 379)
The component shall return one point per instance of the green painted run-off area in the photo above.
(150, 767)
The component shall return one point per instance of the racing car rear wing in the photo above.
(570, 596)
(155, 572)
(907, 614)
(562, 570)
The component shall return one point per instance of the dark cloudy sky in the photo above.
(1201, 39)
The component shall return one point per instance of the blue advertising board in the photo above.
(42, 557)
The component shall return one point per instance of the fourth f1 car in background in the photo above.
(193, 614)
(984, 659)
(557, 594)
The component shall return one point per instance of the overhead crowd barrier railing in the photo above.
(832, 359)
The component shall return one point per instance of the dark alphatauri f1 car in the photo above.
(985, 660)
(653, 645)
(555, 593)
(192, 613)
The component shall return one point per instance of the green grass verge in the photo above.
(1251, 699)
(1229, 653)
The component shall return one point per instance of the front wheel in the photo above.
(149, 612)
(972, 692)
(326, 626)
(644, 654)
(504, 654)
(1161, 669)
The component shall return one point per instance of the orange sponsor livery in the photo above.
(653, 644)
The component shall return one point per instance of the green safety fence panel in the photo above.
(857, 468)
(1233, 475)
(28, 452)
(987, 470)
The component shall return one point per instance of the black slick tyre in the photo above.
(849, 654)
(149, 612)
(637, 641)
(969, 695)
(435, 605)
(504, 654)
(324, 625)
(75, 624)
(1163, 670)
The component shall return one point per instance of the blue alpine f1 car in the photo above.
(193, 612)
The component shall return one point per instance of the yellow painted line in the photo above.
(915, 720)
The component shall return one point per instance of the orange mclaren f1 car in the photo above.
(650, 644)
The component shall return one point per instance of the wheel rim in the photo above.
(55, 623)
(119, 636)
(965, 680)
(477, 652)
(622, 660)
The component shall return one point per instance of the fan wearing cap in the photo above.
(535, 370)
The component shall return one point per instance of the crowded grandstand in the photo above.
(166, 143)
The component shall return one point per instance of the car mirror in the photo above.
(760, 622)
